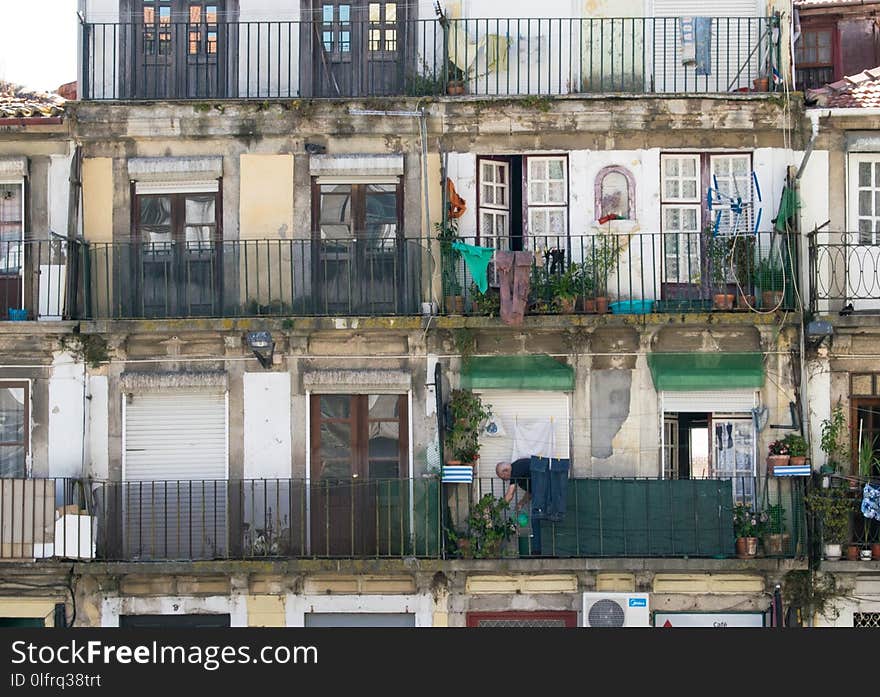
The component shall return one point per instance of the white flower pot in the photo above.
(832, 552)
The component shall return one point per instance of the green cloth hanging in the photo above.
(788, 206)
(477, 260)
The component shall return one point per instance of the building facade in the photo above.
(239, 413)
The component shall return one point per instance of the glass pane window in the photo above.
(494, 184)
(814, 48)
(681, 244)
(681, 177)
(865, 197)
(13, 429)
(11, 226)
(547, 182)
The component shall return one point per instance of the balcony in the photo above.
(409, 57)
(641, 273)
(34, 278)
(845, 270)
(188, 520)
(370, 276)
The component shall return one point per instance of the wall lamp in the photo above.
(262, 345)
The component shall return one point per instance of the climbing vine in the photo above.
(90, 349)
(813, 592)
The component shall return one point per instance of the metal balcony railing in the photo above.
(640, 273)
(356, 57)
(354, 276)
(383, 518)
(35, 277)
(844, 270)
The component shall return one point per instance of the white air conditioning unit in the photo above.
(616, 610)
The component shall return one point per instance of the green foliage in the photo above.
(489, 526)
(797, 446)
(488, 303)
(835, 439)
(424, 83)
(466, 416)
(769, 274)
(601, 261)
(748, 522)
(867, 460)
(719, 249)
(568, 284)
(447, 233)
(832, 507)
(537, 102)
(775, 519)
(811, 591)
(90, 349)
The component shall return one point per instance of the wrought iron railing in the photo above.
(353, 276)
(491, 56)
(639, 273)
(35, 276)
(384, 518)
(844, 270)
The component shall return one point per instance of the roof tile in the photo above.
(17, 102)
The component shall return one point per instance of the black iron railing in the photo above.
(385, 518)
(35, 278)
(358, 57)
(354, 276)
(844, 270)
(639, 273)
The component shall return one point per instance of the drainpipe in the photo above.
(814, 116)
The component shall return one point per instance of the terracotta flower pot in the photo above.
(776, 544)
(744, 302)
(566, 305)
(723, 301)
(746, 547)
(776, 461)
(852, 552)
(761, 84)
(454, 304)
(601, 304)
(771, 299)
(875, 550)
(797, 460)
(589, 305)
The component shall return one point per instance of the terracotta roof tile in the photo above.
(17, 102)
(854, 91)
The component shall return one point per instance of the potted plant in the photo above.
(776, 539)
(778, 455)
(602, 262)
(832, 508)
(769, 277)
(743, 250)
(447, 233)
(489, 526)
(487, 304)
(747, 526)
(466, 415)
(719, 259)
(566, 287)
(797, 448)
(834, 440)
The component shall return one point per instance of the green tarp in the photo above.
(533, 372)
(706, 371)
(643, 518)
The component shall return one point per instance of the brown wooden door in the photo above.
(359, 504)
(358, 47)
(178, 49)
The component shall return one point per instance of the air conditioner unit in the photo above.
(616, 610)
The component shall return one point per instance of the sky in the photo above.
(38, 42)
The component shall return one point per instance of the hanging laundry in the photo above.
(514, 276)
(686, 26)
(871, 502)
(703, 51)
(549, 487)
(477, 260)
(532, 437)
(456, 204)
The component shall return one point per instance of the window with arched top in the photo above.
(615, 193)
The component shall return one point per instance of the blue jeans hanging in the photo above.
(549, 487)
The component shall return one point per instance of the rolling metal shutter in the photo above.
(175, 470)
(510, 406)
(717, 401)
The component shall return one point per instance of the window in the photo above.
(865, 398)
(14, 428)
(615, 193)
(814, 57)
(523, 201)
(684, 211)
(11, 226)
(864, 197)
(177, 236)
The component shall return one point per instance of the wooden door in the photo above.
(358, 493)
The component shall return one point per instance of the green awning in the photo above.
(706, 371)
(533, 372)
